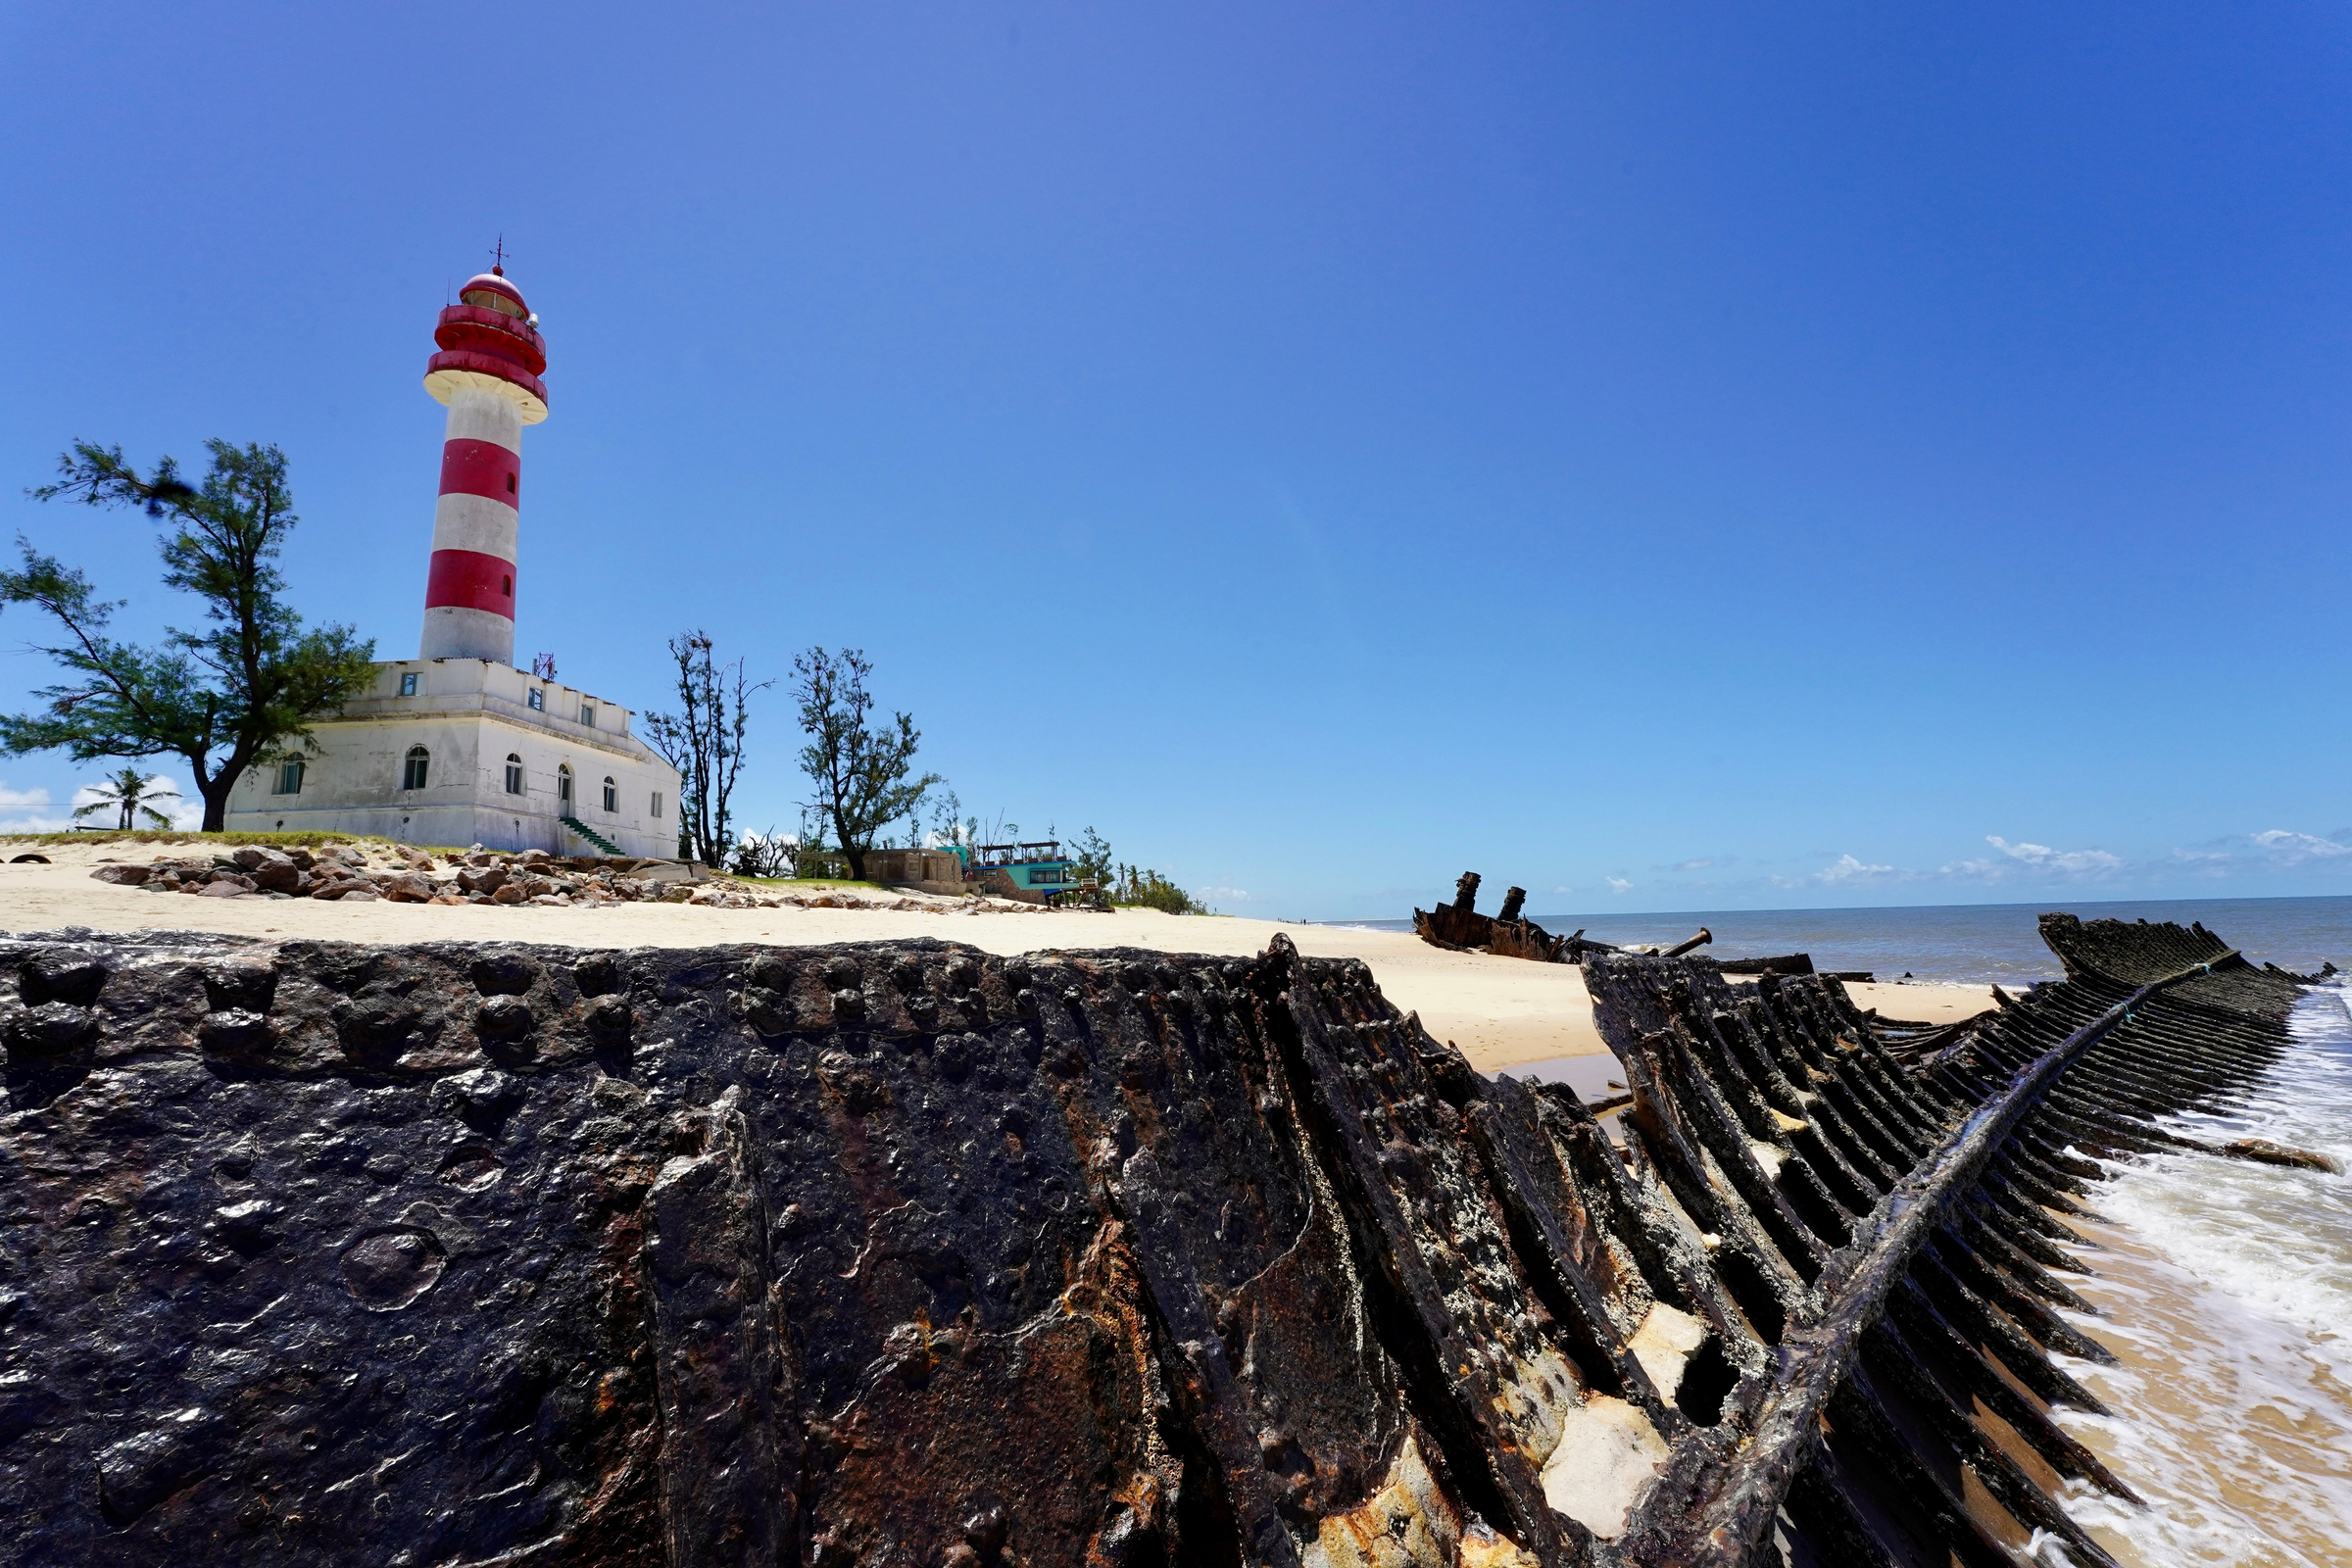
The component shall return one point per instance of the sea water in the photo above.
(1962, 943)
(2224, 1287)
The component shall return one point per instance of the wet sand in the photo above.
(2225, 1290)
(2236, 1432)
(1502, 1012)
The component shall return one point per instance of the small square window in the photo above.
(588, 715)
(289, 779)
(536, 697)
(509, 484)
(507, 585)
(408, 683)
(657, 805)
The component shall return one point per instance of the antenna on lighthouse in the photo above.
(498, 258)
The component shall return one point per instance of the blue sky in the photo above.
(1664, 457)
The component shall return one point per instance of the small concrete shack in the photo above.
(932, 870)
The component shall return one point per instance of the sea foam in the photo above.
(2226, 1289)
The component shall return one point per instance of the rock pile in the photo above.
(402, 874)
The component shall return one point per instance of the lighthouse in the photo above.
(456, 746)
(487, 371)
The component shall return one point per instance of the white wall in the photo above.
(352, 780)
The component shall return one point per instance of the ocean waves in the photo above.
(2226, 1289)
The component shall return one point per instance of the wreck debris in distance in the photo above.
(1459, 927)
(905, 1253)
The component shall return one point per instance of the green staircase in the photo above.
(590, 834)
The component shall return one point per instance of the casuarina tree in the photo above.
(223, 698)
(862, 775)
(704, 741)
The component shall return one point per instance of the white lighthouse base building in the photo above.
(455, 752)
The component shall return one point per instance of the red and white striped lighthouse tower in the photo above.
(488, 373)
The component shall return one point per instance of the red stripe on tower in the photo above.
(481, 469)
(467, 579)
(487, 373)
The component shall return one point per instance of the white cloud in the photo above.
(1224, 895)
(1699, 864)
(35, 805)
(1563, 890)
(2293, 848)
(1618, 884)
(1846, 868)
(2071, 863)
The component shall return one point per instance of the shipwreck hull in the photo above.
(906, 1253)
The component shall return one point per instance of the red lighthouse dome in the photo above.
(490, 334)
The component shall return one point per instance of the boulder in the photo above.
(413, 888)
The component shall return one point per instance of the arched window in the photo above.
(563, 787)
(412, 777)
(611, 796)
(514, 775)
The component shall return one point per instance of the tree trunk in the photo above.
(215, 791)
(850, 850)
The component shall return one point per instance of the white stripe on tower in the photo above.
(487, 373)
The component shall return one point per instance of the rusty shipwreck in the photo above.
(909, 1254)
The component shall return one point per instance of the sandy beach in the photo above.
(1500, 1012)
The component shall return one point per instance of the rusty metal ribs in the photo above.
(903, 1253)
(1896, 1231)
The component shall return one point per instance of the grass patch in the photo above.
(276, 841)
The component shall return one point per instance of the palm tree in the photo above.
(128, 792)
